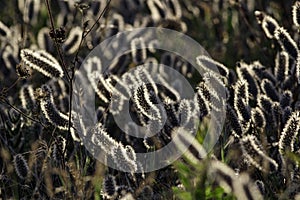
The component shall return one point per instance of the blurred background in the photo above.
(227, 29)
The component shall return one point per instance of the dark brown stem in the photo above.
(10, 87)
(100, 16)
(19, 111)
(56, 43)
(83, 36)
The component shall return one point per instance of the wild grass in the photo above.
(254, 46)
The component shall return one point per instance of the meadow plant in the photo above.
(43, 153)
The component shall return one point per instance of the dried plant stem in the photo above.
(100, 16)
(10, 87)
(71, 77)
(56, 43)
(83, 36)
(19, 111)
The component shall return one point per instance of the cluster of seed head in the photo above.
(261, 104)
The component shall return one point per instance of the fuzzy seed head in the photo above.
(109, 188)
(42, 62)
(286, 42)
(289, 134)
(281, 66)
(21, 166)
(296, 13)
(255, 153)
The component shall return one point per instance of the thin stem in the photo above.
(56, 43)
(10, 87)
(70, 104)
(83, 36)
(19, 111)
(100, 16)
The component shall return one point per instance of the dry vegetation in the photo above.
(42, 45)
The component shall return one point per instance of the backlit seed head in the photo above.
(182, 137)
(31, 10)
(101, 138)
(241, 90)
(109, 188)
(258, 117)
(122, 158)
(27, 97)
(287, 112)
(244, 71)
(4, 30)
(298, 69)
(138, 50)
(223, 175)
(242, 109)
(21, 166)
(58, 149)
(241, 186)
(157, 9)
(255, 153)
(234, 121)
(50, 111)
(269, 26)
(286, 42)
(72, 42)
(289, 134)
(42, 62)
(209, 64)
(265, 103)
(296, 13)
(44, 40)
(203, 103)
(281, 69)
(269, 89)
